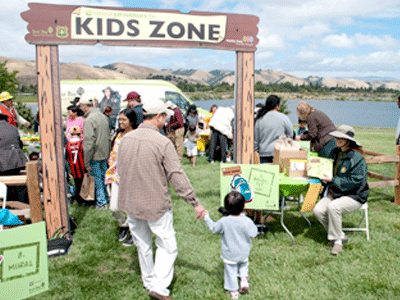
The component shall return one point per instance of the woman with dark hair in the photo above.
(270, 124)
(127, 123)
(347, 187)
(192, 117)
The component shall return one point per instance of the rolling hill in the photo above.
(73, 71)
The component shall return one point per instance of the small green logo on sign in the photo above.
(62, 32)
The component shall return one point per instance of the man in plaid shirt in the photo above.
(147, 162)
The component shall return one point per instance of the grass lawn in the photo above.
(99, 267)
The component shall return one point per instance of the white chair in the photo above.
(3, 195)
(363, 207)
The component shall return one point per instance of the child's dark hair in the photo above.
(234, 203)
(192, 128)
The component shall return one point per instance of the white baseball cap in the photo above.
(155, 107)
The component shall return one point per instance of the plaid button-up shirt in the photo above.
(147, 162)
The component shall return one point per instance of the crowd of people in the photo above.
(134, 153)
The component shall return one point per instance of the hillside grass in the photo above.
(99, 267)
(26, 98)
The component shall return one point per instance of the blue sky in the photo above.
(329, 38)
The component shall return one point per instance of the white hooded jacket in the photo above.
(221, 121)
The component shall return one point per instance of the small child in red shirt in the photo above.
(74, 156)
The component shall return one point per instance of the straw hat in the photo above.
(345, 132)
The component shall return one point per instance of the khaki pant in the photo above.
(176, 138)
(157, 273)
(329, 213)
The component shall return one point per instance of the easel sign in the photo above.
(259, 184)
(23, 262)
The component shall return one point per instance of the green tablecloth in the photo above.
(292, 186)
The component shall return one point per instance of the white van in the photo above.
(148, 89)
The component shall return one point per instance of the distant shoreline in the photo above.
(263, 95)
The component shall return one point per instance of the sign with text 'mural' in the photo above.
(23, 262)
(62, 24)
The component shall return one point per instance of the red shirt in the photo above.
(74, 156)
(176, 121)
(12, 116)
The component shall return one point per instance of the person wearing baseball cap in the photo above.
(6, 108)
(347, 187)
(135, 102)
(147, 163)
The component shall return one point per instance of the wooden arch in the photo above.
(52, 25)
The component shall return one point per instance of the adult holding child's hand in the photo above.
(147, 162)
(200, 211)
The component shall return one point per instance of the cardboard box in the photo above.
(293, 167)
(282, 155)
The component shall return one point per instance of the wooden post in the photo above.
(244, 108)
(397, 177)
(54, 183)
(33, 184)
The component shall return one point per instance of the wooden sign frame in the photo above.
(52, 25)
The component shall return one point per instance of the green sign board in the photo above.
(23, 262)
(258, 183)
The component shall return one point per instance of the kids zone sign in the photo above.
(90, 23)
(61, 24)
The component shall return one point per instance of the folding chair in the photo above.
(3, 195)
(363, 207)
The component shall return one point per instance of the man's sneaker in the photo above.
(244, 285)
(128, 242)
(123, 234)
(157, 296)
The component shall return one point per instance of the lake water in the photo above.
(361, 113)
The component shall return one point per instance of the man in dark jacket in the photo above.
(135, 102)
(12, 158)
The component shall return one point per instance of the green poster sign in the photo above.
(259, 184)
(23, 262)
